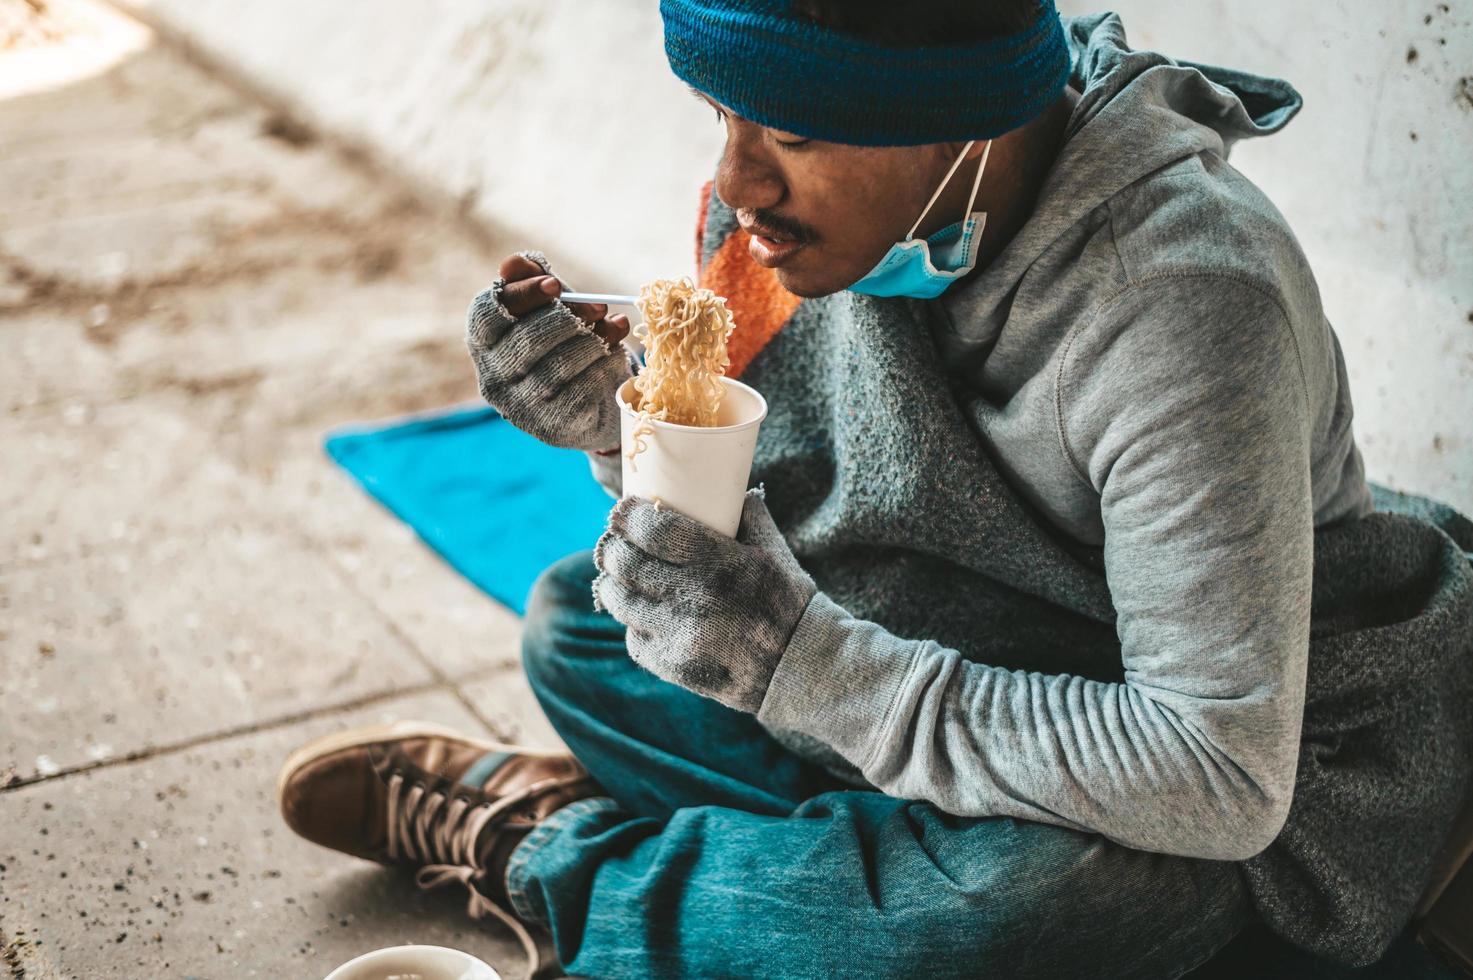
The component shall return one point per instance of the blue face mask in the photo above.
(923, 268)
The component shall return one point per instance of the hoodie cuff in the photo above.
(839, 681)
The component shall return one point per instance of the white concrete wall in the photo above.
(558, 122)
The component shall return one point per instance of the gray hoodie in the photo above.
(1149, 366)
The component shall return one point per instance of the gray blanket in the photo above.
(1387, 750)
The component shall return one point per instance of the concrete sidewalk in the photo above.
(192, 290)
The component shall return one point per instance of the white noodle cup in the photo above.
(699, 471)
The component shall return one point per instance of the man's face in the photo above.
(821, 215)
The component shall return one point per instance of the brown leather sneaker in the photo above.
(419, 795)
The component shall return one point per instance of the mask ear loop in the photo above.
(986, 151)
(977, 181)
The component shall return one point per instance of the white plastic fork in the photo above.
(608, 299)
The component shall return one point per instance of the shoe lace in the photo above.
(442, 832)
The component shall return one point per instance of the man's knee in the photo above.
(561, 622)
(564, 587)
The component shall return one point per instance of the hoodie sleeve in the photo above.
(1182, 403)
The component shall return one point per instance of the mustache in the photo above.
(781, 224)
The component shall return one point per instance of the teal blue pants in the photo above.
(718, 853)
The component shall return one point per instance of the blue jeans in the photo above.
(718, 853)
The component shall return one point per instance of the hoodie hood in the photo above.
(1233, 104)
(1139, 111)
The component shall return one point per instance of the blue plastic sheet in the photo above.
(495, 503)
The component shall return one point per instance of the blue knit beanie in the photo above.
(778, 69)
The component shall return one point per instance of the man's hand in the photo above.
(549, 368)
(704, 611)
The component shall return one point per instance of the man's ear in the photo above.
(949, 151)
(977, 149)
(946, 153)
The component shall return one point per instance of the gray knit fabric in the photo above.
(551, 376)
(1092, 539)
(710, 613)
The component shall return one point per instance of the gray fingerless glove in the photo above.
(707, 612)
(547, 372)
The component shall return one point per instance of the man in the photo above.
(1006, 672)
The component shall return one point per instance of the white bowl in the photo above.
(415, 963)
